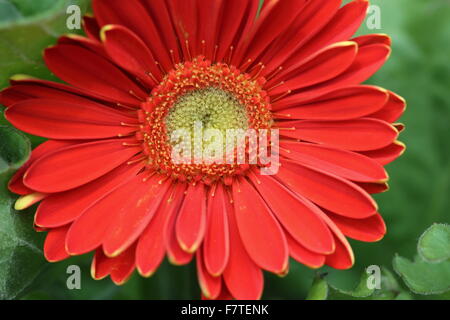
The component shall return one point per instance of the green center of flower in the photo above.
(205, 109)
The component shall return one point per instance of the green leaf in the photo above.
(20, 257)
(319, 289)
(361, 290)
(423, 277)
(434, 244)
(14, 149)
(26, 28)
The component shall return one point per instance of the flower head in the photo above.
(107, 180)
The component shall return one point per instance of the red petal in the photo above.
(54, 90)
(184, 17)
(368, 61)
(304, 256)
(244, 279)
(369, 39)
(356, 135)
(62, 208)
(328, 191)
(16, 184)
(211, 286)
(87, 43)
(151, 247)
(237, 18)
(388, 154)
(314, 16)
(392, 110)
(89, 71)
(343, 257)
(216, 245)
(102, 220)
(135, 213)
(133, 16)
(131, 53)
(371, 229)
(346, 164)
(324, 65)
(209, 16)
(73, 166)
(54, 246)
(343, 25)
(260, 232)
(91, 27)
(63, 120)
(191, 221)
(175, 254)
(342, 104)
(298, 217)
(159, 12)
(373, 188)
(274, 18)
(119, 268)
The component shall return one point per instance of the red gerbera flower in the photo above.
(106, 180)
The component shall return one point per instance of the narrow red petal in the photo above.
(151, 246)
(89, 71)
(134, 16)
(343, 257)
(373, 188)
(191, 221)
(328, 191)
(371, 229)
(237, 18)
(274, 18)
(16, 184)
(369, 39)
(99, 221)
(341, 104)
(54, 246)
(369, 59)
(131, 53)
(315, 15)
(210, 286)
(260, 232)
(62, 208)
(216, 245)
(387, 154)
(356, 135)
(118, 268)
(91, 27)
(159, 12)
(243, 278)
(57, 119)
(73, 166)
(324, 65)
(392, 110)
(342, 26)
(346, 164)
(304, 256)
(135, 213)
(298, 217)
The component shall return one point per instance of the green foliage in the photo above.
(21, 258)
(434, 244)
(14, 149)
(26, 28)
(423, 277)
(429, 273)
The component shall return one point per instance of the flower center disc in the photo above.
(214, 96)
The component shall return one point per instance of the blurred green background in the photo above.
(418, 69)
